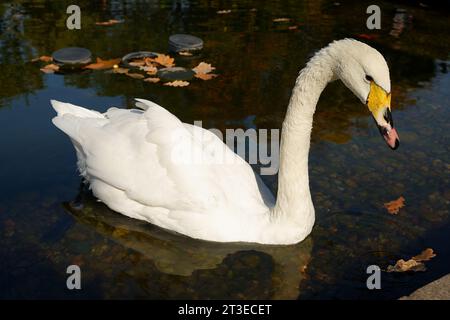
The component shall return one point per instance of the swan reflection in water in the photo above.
(175, 254)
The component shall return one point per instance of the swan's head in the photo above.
(365, 72)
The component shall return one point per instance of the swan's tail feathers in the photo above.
(154, 111)
(76, 122)
(63, 108)
(158, 117)
(145, 104)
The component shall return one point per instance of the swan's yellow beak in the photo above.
(379, 103)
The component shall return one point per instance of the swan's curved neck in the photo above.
(294, 198)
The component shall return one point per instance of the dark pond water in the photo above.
(48, 222)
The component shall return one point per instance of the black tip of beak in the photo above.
(396, 145)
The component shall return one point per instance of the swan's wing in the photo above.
(141, 154)
(201, 165)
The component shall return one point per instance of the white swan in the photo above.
(127, 156)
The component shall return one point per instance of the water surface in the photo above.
(48, 221)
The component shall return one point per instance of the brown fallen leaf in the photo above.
(138, 63)
(205, 76)
(425, 255)
(164, 60)
(50, 68)
(413, 264)
(281, 20)
(403, 266)
(110, 22)
(223, 11)
(151, 70)
(152, 80)
(149, 61)
(120, 70)
(43, 58)
(103, 64)
(203, 67)
(135, 75)
(394, 206)
(185, 53)
(177, 83)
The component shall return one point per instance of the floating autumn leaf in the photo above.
(177, 83)
(203, 67)
(205, 76)
(110, 22)
(149, 61)
(50, 68)
(43, 58)
(151, 70)
(413, 264)
(120, 70)
(425, 255)
(135, 75)
(185, 53)
(281, 20)
(223, 11)
(152, 80)
(103, 64)
(164, 60)
(137, 63)
(403, 266)
(394, 206)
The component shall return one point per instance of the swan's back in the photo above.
(130, 159)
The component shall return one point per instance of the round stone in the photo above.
(137, 55)
(72, 55)
(184, 42)
(175, 73)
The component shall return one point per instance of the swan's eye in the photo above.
(369, 78)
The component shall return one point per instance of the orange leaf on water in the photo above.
(120, 70)
(135, 75)
(177, 83)
(205, 76)
(50, 68)
(164, 60)
(403, 266)
(151, 70)
(413, 264)
(425, 255)
(110, 22)
(203, 67)
(137, 63)
(149, 61)
(281, 20)
(152, 80)
(394, 206)
(185, 53)
(103, 64)
(43, 58)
